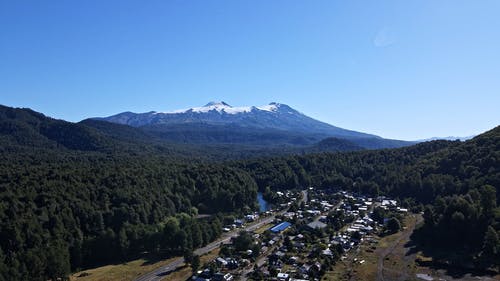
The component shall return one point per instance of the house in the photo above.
(251, 217)
(282, 276)
(279, 254)
(327, 252)
(222, 277)
(222, 262)
(316, 225)
(280, 227)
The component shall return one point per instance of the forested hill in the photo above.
(60, 212)
(421, 171)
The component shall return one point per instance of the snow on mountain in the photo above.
(223, 107)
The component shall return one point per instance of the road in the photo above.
(161, 272)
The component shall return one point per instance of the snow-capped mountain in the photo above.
(223, 107)
(220, 122)
(272, 116)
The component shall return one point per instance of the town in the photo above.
(312, 229)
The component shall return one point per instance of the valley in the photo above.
(77, 197)
(249, 140)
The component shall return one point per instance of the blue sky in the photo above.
(399, 69)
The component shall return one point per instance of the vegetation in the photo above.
(393, 225)
(73, 197)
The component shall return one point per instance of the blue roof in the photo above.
(280, 227)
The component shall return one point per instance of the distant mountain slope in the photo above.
(450, 138)
(218, 122)
(23, 129)
(29, 128)
(332, 144)
(26, 130)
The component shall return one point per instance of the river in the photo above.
(263, 204)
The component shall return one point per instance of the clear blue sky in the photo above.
(399, 69)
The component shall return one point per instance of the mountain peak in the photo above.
(217, 103)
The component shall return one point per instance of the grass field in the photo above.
(263, 228)
(119, 272)
(184, 272)
(131, 270)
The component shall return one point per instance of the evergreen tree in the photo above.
(393, 225)
(491, 246)
(195, 263)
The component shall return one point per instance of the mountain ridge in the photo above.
(273, 118)
(23, 130)
(274, 115)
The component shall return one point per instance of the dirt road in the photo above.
(401, 239)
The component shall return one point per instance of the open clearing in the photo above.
(130, 270)
(120, 272)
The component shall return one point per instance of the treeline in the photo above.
(463, 229)
(64, 211)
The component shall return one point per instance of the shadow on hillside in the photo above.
(150, 259)
(454, 263)
(165, 273)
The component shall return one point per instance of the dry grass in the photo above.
(184, 272)
(263, 228)
(131, 270)
(119, 272)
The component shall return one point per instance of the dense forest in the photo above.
(62, 211)
(73, 196)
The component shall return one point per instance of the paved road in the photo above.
(161, 272)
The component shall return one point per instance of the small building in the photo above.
(222, 277)
(221, 261)
(282, 276)
(280, 227)
(251, 217)
(316, 225)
